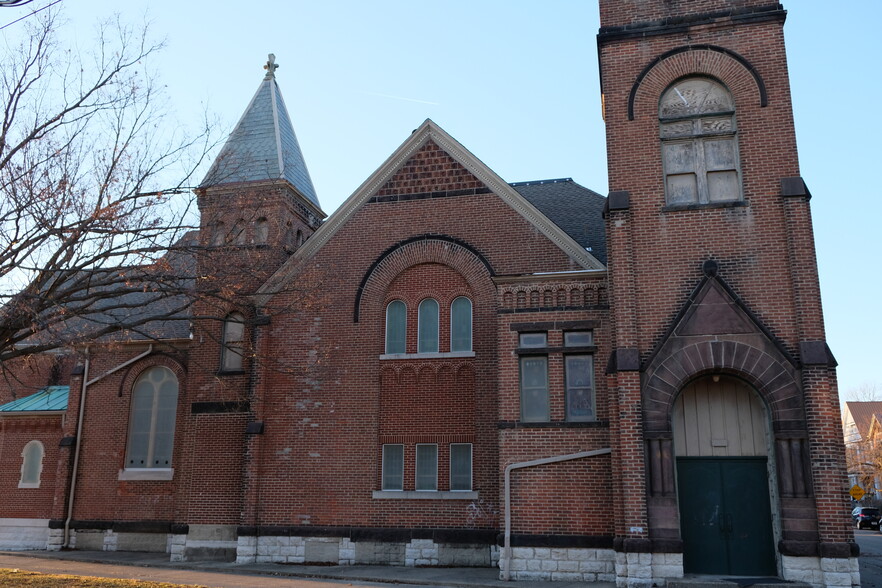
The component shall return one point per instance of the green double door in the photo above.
(725, 516)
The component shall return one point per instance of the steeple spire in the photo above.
(263, 145)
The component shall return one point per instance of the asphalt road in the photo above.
(871, 558)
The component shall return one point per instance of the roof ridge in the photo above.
(540, 182)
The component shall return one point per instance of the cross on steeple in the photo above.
(271, 67)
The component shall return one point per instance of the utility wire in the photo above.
(27, 15)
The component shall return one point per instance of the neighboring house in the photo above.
(455, 370)
(860, 428)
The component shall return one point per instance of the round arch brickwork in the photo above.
(153, 360)
(474, 268)
(774, 378)
(732, 69)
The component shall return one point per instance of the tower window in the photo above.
(233, 339)
(261, 231)
(699, 144)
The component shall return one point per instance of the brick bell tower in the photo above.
(728, 455)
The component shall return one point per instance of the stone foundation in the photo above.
(822, 572)
(24, 534)
(342, 551)
(594, 565)
(561, 564)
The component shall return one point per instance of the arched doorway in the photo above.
(721, 445)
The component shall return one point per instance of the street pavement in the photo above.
(870, 560)
(155, 567)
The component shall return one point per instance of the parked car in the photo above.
(866, 517)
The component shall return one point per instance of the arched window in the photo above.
(219, 235)
(699, 146)
(261, 231)
(461, 324)
(427, 329)
(300, 238)
(396, 327)
(233, 337)
(31, 465)
(152, 424)
(238, 235)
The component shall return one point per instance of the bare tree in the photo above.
(88, 241)
(866, 392)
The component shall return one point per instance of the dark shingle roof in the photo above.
(577, 210)
(147, 303)
(263, 146)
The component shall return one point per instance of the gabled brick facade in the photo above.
(440, 374)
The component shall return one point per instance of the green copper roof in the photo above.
(49, 398)
(263, 145)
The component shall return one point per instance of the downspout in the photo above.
(506, 551)
(73, 475)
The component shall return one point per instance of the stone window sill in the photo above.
(705, 205)
(424, 495)
(28, 484)
(444, 355)
(147, 474)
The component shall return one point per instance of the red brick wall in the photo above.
(321, 450)
(15, 433)
(750, 243)
(624, 12)
(100, 494)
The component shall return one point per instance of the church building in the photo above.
(454, 370)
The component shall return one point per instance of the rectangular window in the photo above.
(580, 387)
(393, 467)
(461, 466)
(426, 467)
(534, 388)
(533, 340)
(578, 338)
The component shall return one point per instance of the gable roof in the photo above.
(263, 146)
(429, 131)
(574, 208)
(862, 413)
(50, 398)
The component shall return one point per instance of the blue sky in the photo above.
(516, 82)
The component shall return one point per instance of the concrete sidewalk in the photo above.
(398, 575)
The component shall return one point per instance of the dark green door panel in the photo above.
(725, 516)
(701, 497)
(746, 495)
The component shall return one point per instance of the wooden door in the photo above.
(720, 440)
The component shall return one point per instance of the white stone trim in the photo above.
(424, 495)
(822, 572)
(146, 474)
(176, 545)
(434, 355)
(421, 552)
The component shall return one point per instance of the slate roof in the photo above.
(577, 210)
(263, 146)
(862, 413)
(143, 298)
(49, 398)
